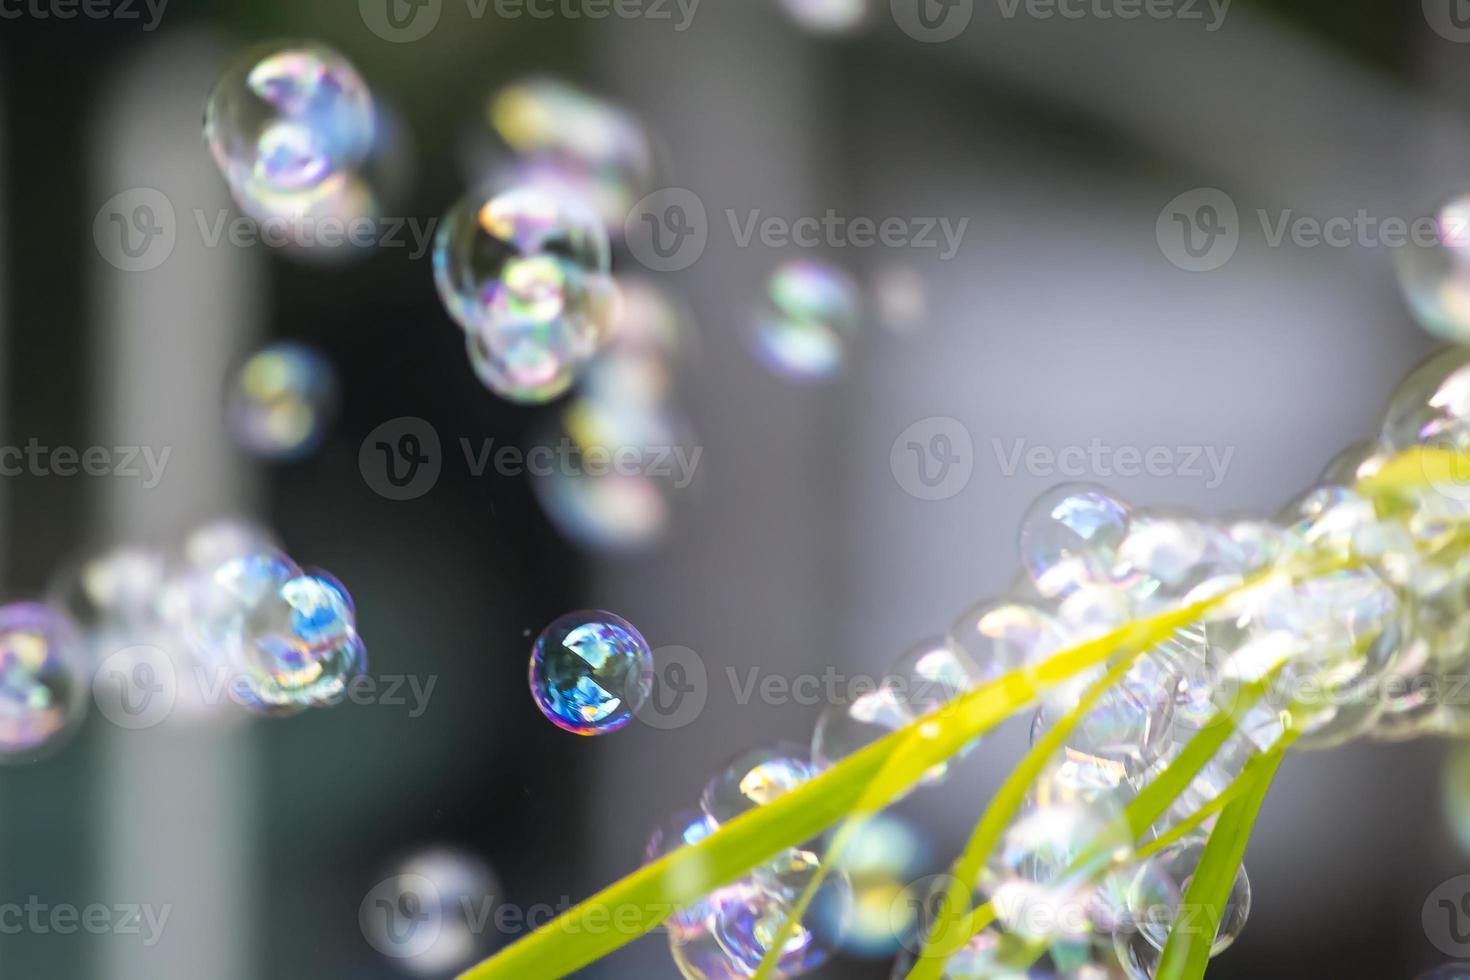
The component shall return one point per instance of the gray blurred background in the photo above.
(1060, 321)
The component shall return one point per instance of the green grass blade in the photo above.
(1187, 951)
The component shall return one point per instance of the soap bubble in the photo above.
(1070, 536)
(283, 401)
(611, 513)
(827, 16)
(1435, 274)
(755, 778)
(812, 312)
(746, 921)
(288, 124)
(682, 830)
(43, 683)
(999, 636)
(431, 916)
(569, 141)
(1160, 889)
(590, 671)
(526, 274)
(843, 729)
(113, 591)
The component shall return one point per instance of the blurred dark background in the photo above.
(1059, 321)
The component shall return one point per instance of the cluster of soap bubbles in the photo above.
(292, 126)
(226, 620)
(1351, 609)
(728, 933)
(282, 402)
(590, 671)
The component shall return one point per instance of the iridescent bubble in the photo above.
(612, 513)
(755, 778)
(1161, 887)
(116, 590)
(843, 729)
(684, 829)
(43, 682)
(526, 274)
(1070, 536)
(827, 16)
(701, 957)
(999, 636)
(880, 856)
(283, 401)
(931, 674)
(747, 921)
(430, 917)
(1040, 879)
(1162, 559)
(288, 124)
(1431, 407)
(567, 139)
(1435, 274)
(812, 312)
(590, 671)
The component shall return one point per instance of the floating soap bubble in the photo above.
(612, 513)
(684, 829)
(288, 124)
(881, 855)
(1160, 889)
(115, 591)
(811, 314)
(999, 636)
(1435, 274)
(931, 674)
(526, 274)
(283, 401)
(568, 140)
(1040, 878)
(1431, 407)
(431, 916)
(1070, 536)
(755, 778)
(746, 921)
(843, 729)
(827, 16)
(43, 680)
(590, 671)
(1163, 559)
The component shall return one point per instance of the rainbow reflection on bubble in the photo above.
(289, 123)
(590, 671)
(811, 314)
(282, 402)
(431, 916)
(526, 274)
(43, 682)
